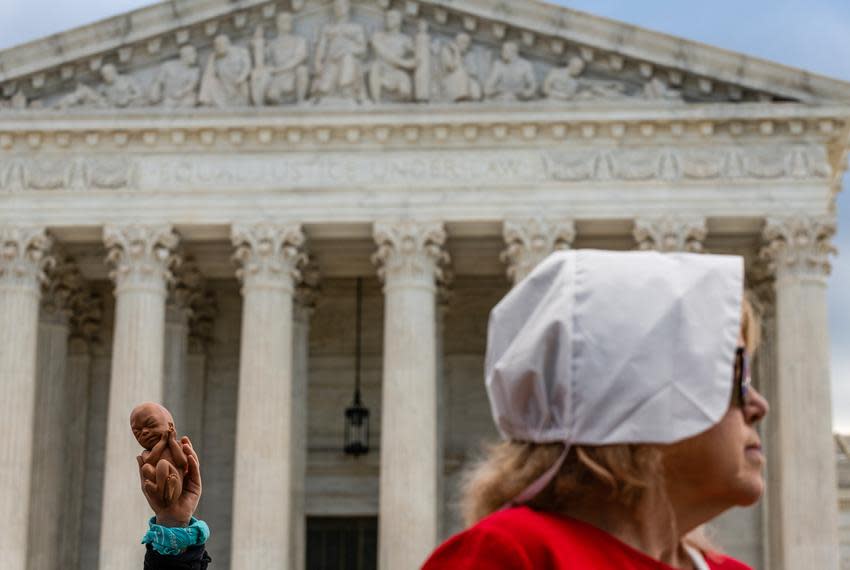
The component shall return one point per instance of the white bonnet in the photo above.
(601, 347)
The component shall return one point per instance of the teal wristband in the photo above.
(175, 540)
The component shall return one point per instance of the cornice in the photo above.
(401, 126)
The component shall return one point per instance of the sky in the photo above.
(810, 34)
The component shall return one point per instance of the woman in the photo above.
(620, 383)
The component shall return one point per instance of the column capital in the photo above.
(68, 299)
(761, 290)
(410, 250)
(63, 283)
(202, 315)
(24, 258)
(191, 303)
(671, 233)
(799, 246)
(185, 285)
(530, 240)
(141, 256)
(307, 290)
(444, 289)
(269, 254)
(86, 317)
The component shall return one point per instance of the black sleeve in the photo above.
(195, 558)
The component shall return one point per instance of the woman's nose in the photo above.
(756, 407)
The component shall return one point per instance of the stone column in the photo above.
(23, 260)
(444, 295)
(530, 240)
(52, 413)
(204, 309)
(409, 256)
(671, 233)
(141, 257)
(175, 364)
(305, 303)
(183, 389)
(804, 504)
(762, 294)
(86, 318)
(269, 255)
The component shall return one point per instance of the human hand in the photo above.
(180, 511)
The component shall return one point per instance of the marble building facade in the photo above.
(189, 192)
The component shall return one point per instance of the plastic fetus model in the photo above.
(164, 464)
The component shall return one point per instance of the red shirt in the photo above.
(524, 539)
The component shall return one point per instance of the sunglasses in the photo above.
(742, 378)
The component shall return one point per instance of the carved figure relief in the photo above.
(117, 90)
(422, 73)
(563, 84)
(512, 77)
(109, 173)
(670, 233)
(395, 60)
(657, 89)
(176, 83)
(15, 102)
(339, 57)
(225, 80)
(59, 173)
(458, 84)
(347, 66)
(47, 175)
(280, 70)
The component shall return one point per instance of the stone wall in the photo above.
(843, 463)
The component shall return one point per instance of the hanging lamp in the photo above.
(357, 415)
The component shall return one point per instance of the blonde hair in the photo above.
(621, 473)
(618, 473)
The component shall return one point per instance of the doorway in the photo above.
(342, 543)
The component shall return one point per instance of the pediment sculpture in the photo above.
(281, 72)
(405, 60)
(225, 82)
(176, 82)
(339, 58)
(117, 90)
(457, 81)
(512, 77)
(564, 84)
(395, 61)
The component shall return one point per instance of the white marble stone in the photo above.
(78, 379)
(49, 463)
(175, 395)
(95, 460)
(529, 241)
(196, 386)
(262, 513)
(763, 295)
(803, 498)
(305, 300)
(23, 258)
(141, 256)
(410, 256)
